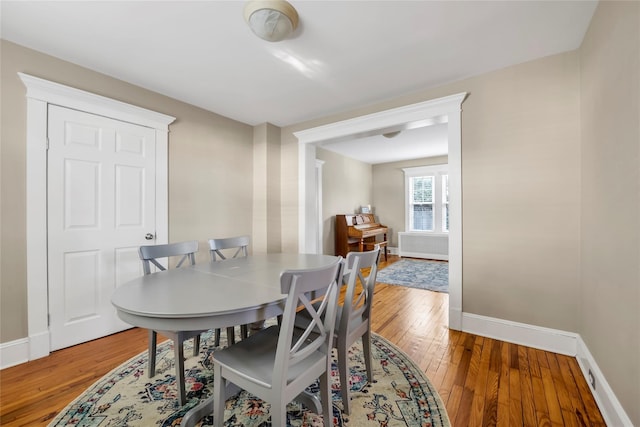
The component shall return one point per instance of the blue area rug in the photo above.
(423, 274)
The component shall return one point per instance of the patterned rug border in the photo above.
(444, 417)
(419, 383)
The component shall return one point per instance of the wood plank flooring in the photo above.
(483, 382)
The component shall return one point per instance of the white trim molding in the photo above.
(418, 114)
(320, 218)
(65, 96)
(446, 109)
(41, 93)
(14, 353)
(548, 339)
(608, 403)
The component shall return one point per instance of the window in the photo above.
(427, 199)
(421, 203)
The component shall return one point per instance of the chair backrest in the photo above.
(301, 287)
(239, 243)
(150, 254)
(356, 308)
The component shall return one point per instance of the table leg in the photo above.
(179, 356)
(153, 341)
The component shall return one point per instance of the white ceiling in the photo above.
(344, 55)
(428, 141)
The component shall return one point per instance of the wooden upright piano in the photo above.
(359, 232)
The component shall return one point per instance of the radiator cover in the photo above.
(418, 245)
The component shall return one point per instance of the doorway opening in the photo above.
(441, 110)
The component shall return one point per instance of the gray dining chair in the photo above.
(220, 249)
(354, 316)
(277, 364)
(150, 256)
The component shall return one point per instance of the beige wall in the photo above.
(610, 294)
(207, 198)
(388, 193)
(266, 188)
(520, 189)
(550, 186)
(521, 193)
(551, 200)
(346, 185)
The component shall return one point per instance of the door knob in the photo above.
(148, 236)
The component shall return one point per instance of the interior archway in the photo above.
(446, 109)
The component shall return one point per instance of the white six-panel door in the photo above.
(101, 205)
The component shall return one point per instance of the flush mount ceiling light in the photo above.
(271, 20)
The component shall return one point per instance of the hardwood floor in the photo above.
(483, 382)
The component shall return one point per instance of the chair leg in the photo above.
(278, 412)
(153, 339)
(178, 350)
(231, 336)
(325, 395)
(244, 331)
(196, 345)
(220, 397)
(343, 370)
(217, 338)
(368, 361)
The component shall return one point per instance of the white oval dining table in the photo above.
(211, 295)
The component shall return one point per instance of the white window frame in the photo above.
(437, 172)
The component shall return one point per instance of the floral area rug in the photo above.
(400, 394)
(423, 274)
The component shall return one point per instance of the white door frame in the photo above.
(320, 218)
(437, 110)
(41, 93)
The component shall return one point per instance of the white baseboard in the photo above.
(393, 250)
(14, 353)
(547, 339)
(608, 403)
(557, 341)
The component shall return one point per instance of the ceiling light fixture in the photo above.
(271, 20)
